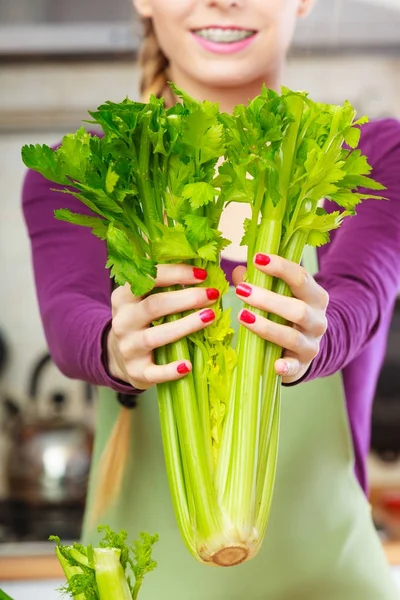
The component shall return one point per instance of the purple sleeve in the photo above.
(73, 287)
(360, 268)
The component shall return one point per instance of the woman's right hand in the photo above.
(131, 340)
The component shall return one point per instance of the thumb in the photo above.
(238, 275)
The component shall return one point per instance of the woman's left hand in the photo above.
(305, 313)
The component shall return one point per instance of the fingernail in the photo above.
(183, 369)
(285, 368)
(200, 273)
(212, 293)
(243, 290)
(247, 317)
(207, 315)
(262, 259)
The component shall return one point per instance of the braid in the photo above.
(154, 67)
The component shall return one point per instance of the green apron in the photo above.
(320, 542)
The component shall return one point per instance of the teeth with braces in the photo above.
(224, 36)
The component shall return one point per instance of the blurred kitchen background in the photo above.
(57, 60)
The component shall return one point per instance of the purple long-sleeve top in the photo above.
(360, 268)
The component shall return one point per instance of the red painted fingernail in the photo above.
(183, 369)
(243, 290)
(262, 259)
(247, 317)
(212, 293)
(207, 315)
(200, 273)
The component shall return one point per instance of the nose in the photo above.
(224, 3)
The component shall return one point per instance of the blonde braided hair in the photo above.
(111, 467)
(154, 67)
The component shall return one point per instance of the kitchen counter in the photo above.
(29, 562)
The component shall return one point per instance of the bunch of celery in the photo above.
(153, 181)
(113, 571)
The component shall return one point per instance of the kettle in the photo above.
(49, 458)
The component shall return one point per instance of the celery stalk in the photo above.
(70, 571)
(172, 455)
(157, 193)
(208, 517)
(110, 576)
(243, 469)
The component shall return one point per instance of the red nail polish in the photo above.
(212, 293)
(262, 259)
(243, 290)
(183, 369)
(247, 317)
(207, 315)
(200, 273)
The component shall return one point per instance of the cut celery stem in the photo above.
(269, 481)
(271, 395)
(207, 518)
(243, 469)
(293, 252)
(201, 384)
(110, 576)
(224, 457)
(172, 456)
(70, 571)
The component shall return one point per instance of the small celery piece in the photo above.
(105, 572)
(4, 596)
(110, 575)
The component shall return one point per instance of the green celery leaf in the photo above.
(247, 226)
(203, 135)
(172, 246)
(127, 265)
(111, 539)
(111, 180)
(209, 251)
(198, 229)
(99, 226)
(318, 238)
(199, 194)
(352, 137)
(361, 121)
(43, 159)
(349, 200)
(142, 562)
(357, 181)
(74, 153)
(357, 164)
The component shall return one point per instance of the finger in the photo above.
(166, 275)
(302, 285)
(282, 335)
(144, 375)
(291, 309)
(161, 304)
(287, 367)
(179, 275)
(154, 337)
(121, 296)
(238, 274)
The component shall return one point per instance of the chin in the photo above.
(224, 76)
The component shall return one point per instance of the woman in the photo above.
(320, 543)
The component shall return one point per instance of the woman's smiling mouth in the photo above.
(224, 40)
(224, 35)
